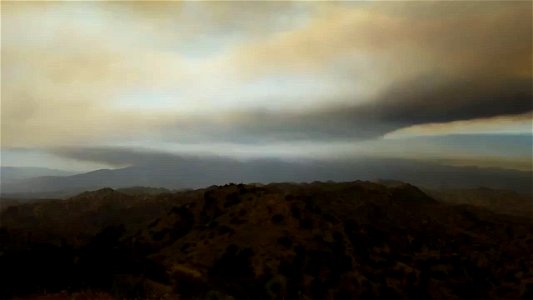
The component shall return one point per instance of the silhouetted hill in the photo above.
(141, 190)
(353, 240)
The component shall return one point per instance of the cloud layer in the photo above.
(98, 74)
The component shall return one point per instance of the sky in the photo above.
(444, 81)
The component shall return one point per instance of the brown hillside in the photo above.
(276, 241)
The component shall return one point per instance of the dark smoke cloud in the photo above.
(421, 101)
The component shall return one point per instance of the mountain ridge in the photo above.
(323, 240)
(181, 174)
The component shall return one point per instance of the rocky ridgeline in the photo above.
(278, 241)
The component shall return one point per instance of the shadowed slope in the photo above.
(277, 241)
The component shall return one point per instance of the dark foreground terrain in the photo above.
(356, 240)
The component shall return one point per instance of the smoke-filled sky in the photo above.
(441, 81)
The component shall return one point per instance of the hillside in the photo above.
(355, 240)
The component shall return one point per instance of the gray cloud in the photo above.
(425, 100)
(430, 99)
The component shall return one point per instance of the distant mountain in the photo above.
(352, 240)
(10, 174)
(500, 201)
(198, 172)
